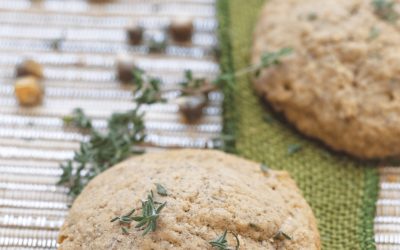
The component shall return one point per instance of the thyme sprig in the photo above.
(78, 119)
(267, 60)
(147, 221)
(385, 9)
(125, 219)
(150, 213)
(148, 88)
(221, 242)
(280, 235)
(126, 130)
(196, 85)
(105, 149)
(191, 82)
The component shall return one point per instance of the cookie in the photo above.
(341, 84)
(208, 192)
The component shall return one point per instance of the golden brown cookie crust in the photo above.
(342, 83)
(209, 191)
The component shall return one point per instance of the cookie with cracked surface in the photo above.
(342, 84)
(208, 192)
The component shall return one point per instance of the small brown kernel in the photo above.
(29, 91)
(125, 67)
(181, 29)
(29, 68)
(134, 34)
(192, 107)
(61, 238)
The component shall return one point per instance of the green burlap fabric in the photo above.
(341, 191)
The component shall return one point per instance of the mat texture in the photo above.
(77, 43)
(341, 190)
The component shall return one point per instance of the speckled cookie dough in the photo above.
(208, 192)
(342, 83)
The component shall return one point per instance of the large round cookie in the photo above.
(342, 83)
(208, 192)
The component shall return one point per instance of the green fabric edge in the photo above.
(226, 63)
(231, 116)
(371, 193)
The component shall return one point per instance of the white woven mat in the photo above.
(387, 219)
(81, 74)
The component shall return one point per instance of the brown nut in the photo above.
(29, 91)
(125, 67)
(181, 29)
(134, 34)
(29, 68)
(191, 107)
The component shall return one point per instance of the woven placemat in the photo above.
(341, 191)
(80, 72)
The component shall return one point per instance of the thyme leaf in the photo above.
(294, 148)
(157, 44)
(150, 213)
(161, 190)
(223, 142)
(195, 85)
(125, 219)
(374, 33)
(268, 118)
(264, 168)
(280, 235)
(147, 88)
(385, 9)
(147, 221)
(124, 230)
(273, 58)
(221, 242)
(78, 119)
